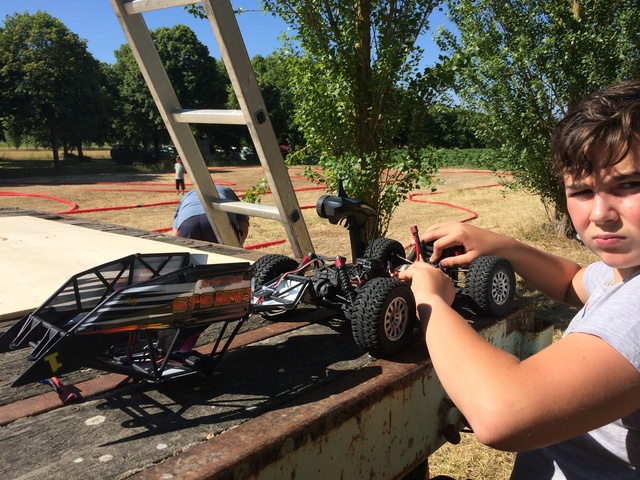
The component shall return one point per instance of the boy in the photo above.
(571, 410)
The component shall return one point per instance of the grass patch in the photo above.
(479, 158)
(31, 162)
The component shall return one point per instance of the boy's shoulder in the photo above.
(598, 269)
(595, 275)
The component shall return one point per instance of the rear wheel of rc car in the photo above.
(386, 250)
(490, 286)
(270, 267)
(383, 317)
(427, 247)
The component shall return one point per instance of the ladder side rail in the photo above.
(150, 64)
(234, 54)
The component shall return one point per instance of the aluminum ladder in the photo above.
(252, 113)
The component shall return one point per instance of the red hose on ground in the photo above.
(49, 197)
(473, 216)
(74, 207)
(123, 207)
(258, 246)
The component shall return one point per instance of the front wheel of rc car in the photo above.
(490, 286)
(270, 267)
(383, 317)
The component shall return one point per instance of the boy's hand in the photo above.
(475, 241)
(426, 280)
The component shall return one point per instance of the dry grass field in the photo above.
(147, 201)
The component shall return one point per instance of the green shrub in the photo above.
(479, 158)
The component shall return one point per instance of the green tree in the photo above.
(271, 74)
(137, 116)
(524, 63)
(193, 73)
(439, 125)
(272, 78)
(350, 65)
(89, 123)
(48, 81)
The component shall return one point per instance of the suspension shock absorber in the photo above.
(343, 279)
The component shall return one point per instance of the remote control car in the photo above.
(141, 315)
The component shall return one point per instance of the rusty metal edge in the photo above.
(251, 446)
(254, 444)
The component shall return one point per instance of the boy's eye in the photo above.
(630, 186)
(580, 193)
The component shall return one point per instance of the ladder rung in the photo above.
(141, 6)
(250, 209)
(218, 117)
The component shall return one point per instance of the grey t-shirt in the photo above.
(612, 313)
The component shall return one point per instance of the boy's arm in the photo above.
(575, 385)
(557, 277)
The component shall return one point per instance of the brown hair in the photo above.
(609, 119)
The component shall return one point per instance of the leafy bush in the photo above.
(482, 158)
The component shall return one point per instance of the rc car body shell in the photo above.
(108, 317)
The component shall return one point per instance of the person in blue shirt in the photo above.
(190, 221)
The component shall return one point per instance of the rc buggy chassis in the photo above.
(141, 315)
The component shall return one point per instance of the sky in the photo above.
(95, 21)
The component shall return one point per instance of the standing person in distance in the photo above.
(572, 410)
(180, 171)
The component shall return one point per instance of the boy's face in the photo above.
(605, 210)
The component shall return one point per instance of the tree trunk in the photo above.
(365, 141)
(53, 132)
(562, 220)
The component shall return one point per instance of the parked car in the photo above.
(127, 154)
(285, 150)
(167, 152)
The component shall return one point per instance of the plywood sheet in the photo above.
(37, 256)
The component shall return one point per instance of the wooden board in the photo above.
(37, 256)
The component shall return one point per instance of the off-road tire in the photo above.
(386, 250)
(270, 267)
(383, 317)
(490, 286)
